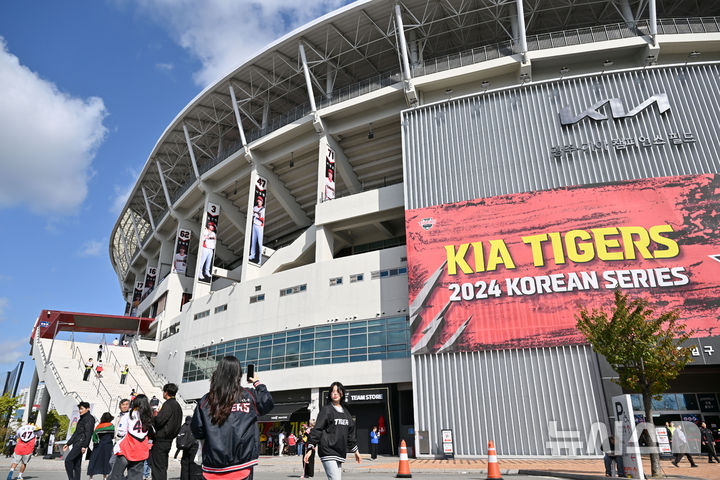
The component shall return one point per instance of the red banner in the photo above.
(512, 271)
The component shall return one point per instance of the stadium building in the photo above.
(413, 197)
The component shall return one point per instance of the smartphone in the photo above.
(250, 372)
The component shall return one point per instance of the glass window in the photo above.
(376, 356)
(253, 342)
(339, 342)
(291, 364)
(240, 356)
(354, 328)
(307, 346)
(322, 355)
(252, 354)
(376, 349)
(292, 348)
(278, 350)
(376, 322)
(293, 337)
(396, 337)
(691, 402)
(401, 354)
(358, 340)
(340, 329)
(322, 361)
(358, 358)
(376, 338)
(322, 344)
(637, 403)
(340, 358)
(306, 356)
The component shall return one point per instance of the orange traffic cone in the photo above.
(404, 465)
(493, 465)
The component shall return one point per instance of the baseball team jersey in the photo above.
(209, 240)
(25, 440)
(259, 215)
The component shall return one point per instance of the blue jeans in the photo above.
(333, 469)
(146, 470)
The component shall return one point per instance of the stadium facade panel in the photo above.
(272, 220)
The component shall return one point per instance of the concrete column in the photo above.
(522, 40)
(44, 405)
(652, 11)
(165, 256)
(238, 119)
(324, 244)
(31, 396)
(308, 80)
(246, 266)
(403, 43)
(314, 406)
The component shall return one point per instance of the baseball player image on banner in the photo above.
(209, 240)
(330, 174)
(181, 251)
(150, 278)
(258, 221)
(137, 298)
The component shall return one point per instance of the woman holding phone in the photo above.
(334, 434)
(225, 419)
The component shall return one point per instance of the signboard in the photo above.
(150, 278)
(447, 443)
(365, 396)
(182, 247)
(708, 402)
(704, 351)
(137, 298)
(622, 405)
(329, 192)
(258, 221)
(44, 324)
(663, 440)
(209, 240)
(511, 271)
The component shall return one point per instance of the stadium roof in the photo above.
(52, 321)
(353, 49)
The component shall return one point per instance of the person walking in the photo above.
(374, 442)
(225, 419)
(102, 451)
(154, 403)
(123, 374)
(23, 449)
(709, 441)
(88, 369)
(333, 434)
(681, 447)
(167, 424)
(121, 425)
(281, 442)
(99, 368)
(134, 448)
(292, 444)
(79, 441)
(188, 445)
(611, 456)
(309, 465)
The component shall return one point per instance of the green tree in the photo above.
(8, 405)
(54, 419)
(642, 347)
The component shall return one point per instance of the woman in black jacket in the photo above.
(226, 419)
(334, 434)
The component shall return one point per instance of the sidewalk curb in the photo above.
(576, 476)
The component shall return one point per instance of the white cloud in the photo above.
(165, 67)
(48, 139)
(92, 248)
(122, 193)
(224, 33)
(13, 350)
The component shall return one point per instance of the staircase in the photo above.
(63, 375)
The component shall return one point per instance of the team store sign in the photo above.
(516, 268)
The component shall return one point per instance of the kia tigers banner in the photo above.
(512, 271)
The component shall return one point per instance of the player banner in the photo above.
(512, 271)
(137, 298)
(258, 221)
(150, 278)
(209, 240)
(182, 248)
(329, 174)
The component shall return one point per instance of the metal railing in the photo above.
(157, 379)
(56, 374)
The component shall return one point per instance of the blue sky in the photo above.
(86, 89)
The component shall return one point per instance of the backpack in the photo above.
(185, 438)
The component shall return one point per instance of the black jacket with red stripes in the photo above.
(235, 444)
